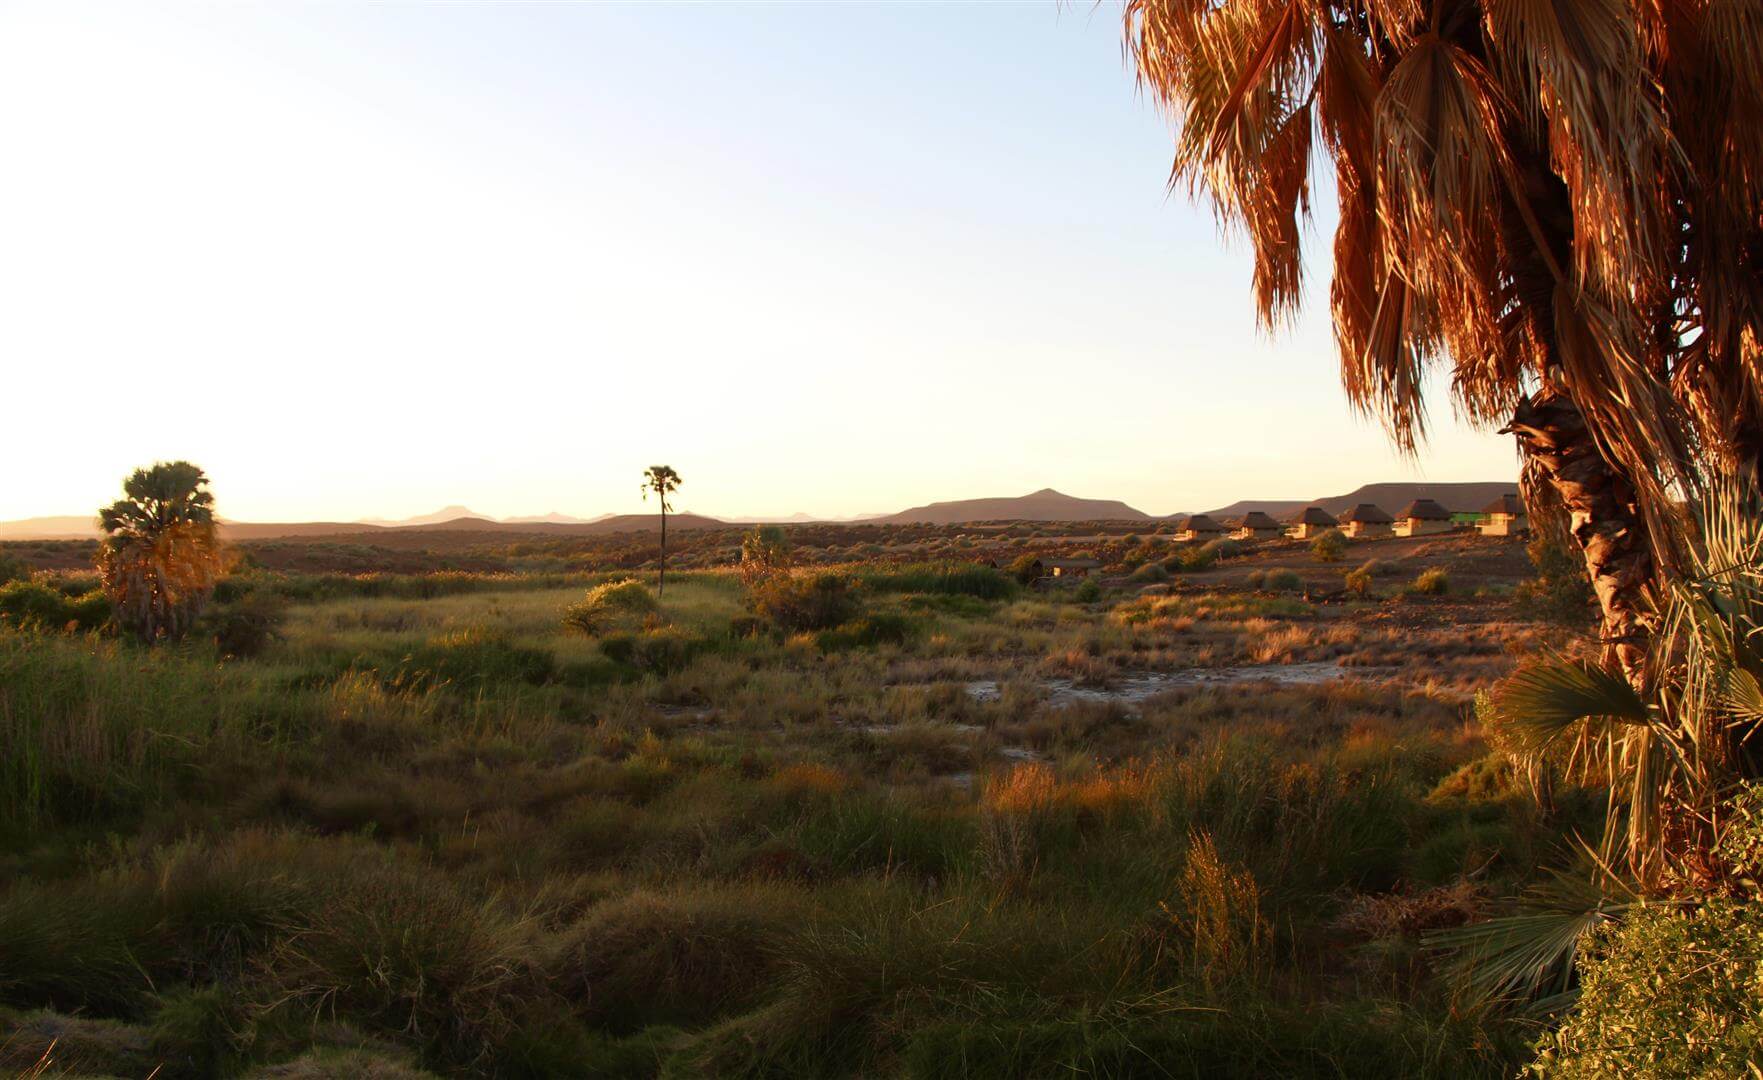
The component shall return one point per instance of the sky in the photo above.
(366, 260)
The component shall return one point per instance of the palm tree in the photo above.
(662, 480)
(160, 559)
(1671, 757)
(1557, 200)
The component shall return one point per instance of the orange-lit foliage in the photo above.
(160, 559)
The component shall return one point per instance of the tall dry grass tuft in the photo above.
(1217, 911)
(1015, 812)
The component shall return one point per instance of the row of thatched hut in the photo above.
(1423, 517)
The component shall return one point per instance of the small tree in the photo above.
(160, 559)
(1329, 546)
(663, 481)
(765, 552)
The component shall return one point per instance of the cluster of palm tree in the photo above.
(160, 559)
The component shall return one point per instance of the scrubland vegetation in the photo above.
(897, 817)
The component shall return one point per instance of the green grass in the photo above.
(443, 834)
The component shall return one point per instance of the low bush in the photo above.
(950, 579)
(806, 602)
(765, 553)
(1668, 991)
(1358, 582)
(34, 604)
(1087, 591)
(474, 657)
(656, 652)
(1559, 593)
(1432, 581)
(1149, 574)
(878, 628)
(13, 568)
(613, 604)
(1027, 570)
(1329, 546)
(1282, 581)
(247, 626)
(1223, 548)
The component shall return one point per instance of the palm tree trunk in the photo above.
(1599, 500)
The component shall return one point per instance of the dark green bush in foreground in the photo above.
(1675, 989)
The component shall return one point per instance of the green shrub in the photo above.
(1329, 546)
(1149, 574)
(879, 628)
(662, 652)
(1668, 991)
(765, 552)
(1222, 548)
(1431, 582)
(949, 579)
(1282, 581)
(13, 568)
(248, 625)
(474, 657)
(609, 605)
(619, 648)
(806, 602)
(1358, 582)
(1560, 592)
(1087, 591)
(1256, 579)
(35, 604)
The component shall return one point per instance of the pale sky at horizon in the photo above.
(366, 260)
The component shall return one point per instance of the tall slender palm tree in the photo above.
(662, 480)
(1560, 201)
(160, 559)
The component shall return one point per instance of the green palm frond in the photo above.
(1530, 954)
(1541, 703)
(1743, 698)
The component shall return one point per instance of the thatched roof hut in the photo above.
(1365, 520)
(1198, 523)
(1424, 510)
(1505, 516)
(1423, 516)
(1310, 521)
(1367, 514)
(1256, 525)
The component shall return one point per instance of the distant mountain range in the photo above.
(50, 528)
(459, 513)
(1043, 505)
(365, 533)
(1464, 497)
